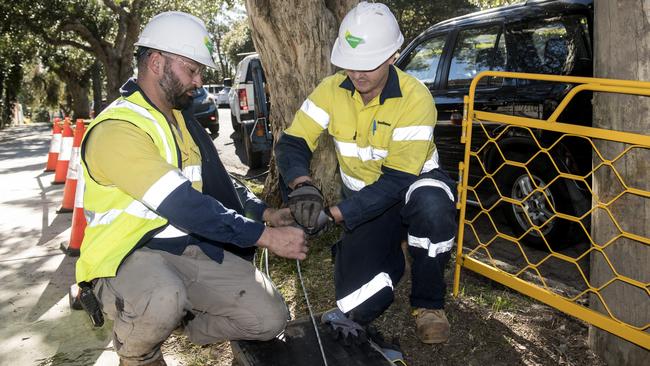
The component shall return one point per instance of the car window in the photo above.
(476, 50)
(424, 59)
(550, 46)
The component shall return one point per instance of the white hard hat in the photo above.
(179, 33)
(368, 36)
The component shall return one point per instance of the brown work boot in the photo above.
(432, 325)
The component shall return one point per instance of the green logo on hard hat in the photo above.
(353, 41)
(208, 44)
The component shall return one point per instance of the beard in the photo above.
(175, 94)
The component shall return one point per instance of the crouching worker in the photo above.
(381, 121)
(169, 233)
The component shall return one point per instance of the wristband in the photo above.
(302, 184)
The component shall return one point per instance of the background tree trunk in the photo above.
(622, 51)
(294, 39)
(96, 78)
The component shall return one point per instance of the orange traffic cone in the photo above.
(73, 172)
(65, 153)
(55, 146)
(78, 217)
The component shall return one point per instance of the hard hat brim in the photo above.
(209, 63)
(348, 62)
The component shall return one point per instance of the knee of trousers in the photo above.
(432, 207)
(162, 310)
(272, 315)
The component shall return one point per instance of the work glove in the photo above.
(322, 222)
(343, 328)
(306, 204)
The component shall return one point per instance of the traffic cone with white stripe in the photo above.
(78, 217)
(55, 146)
(73, 172)
(64, 155)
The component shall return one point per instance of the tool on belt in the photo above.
(90, 304)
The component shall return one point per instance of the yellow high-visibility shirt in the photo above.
(395, 129)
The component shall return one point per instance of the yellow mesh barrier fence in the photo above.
(531, 185)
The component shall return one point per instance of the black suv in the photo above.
(206, 111)
(543, 37)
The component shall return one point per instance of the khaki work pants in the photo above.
(154, 290)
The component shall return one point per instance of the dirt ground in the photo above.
(491, 325)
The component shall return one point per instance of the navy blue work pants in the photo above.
(369, 260)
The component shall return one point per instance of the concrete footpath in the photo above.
(38, 326)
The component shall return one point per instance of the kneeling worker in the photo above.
(381, 120)
(168, 230)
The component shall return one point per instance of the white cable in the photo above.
(311, 314)
(266, 262)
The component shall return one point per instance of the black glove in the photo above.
(344, 329)
(322, 222)
(306, 203)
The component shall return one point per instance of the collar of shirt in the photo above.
(391, 89)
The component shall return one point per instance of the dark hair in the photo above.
(141, 56)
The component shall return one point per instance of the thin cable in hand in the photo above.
(311, 314)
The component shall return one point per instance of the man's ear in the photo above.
(155, 63)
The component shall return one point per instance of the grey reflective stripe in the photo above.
(170, 231)
(432, 163)
(316, 113)
(352, 150)
(102, 218)
(193, 173)
(356, 298)
(162, 188)
(136, 208)
(123, 103)
(433, 249)
(429, 182)
(351, 182)
(413, 133)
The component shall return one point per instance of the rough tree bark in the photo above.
(294, 39)
(622, 51)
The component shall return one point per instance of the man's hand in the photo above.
(306, 203)
(278, 217)
(285, 241)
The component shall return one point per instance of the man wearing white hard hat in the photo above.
(381, 121)
(170, 235)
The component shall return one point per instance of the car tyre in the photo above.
(253, 158)
(214, 131)
(539, 208)
(235, 124)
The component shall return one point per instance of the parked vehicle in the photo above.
(205, 111)
(222, 97)
(543, 36)
(213, 88)
(249, 109)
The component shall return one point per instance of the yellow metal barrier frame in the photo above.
(632, 334)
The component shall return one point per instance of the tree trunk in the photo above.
(622, 51)
(118, 71)
(80, 101)
(96, 78)
(294, 39)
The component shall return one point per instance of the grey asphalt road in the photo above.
(230, 148)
